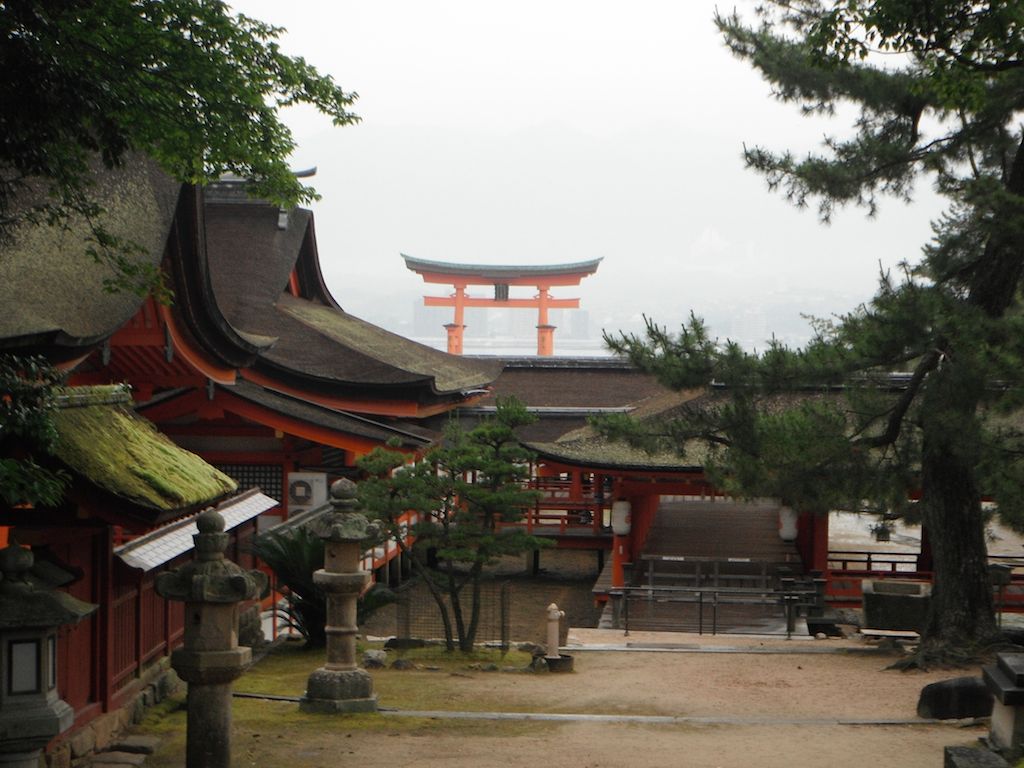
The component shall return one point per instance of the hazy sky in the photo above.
(558, 131)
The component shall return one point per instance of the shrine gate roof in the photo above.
(489, 273)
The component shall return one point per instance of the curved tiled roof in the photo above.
(500, 271)
(250, 261)
(381, 429)
(584, 446)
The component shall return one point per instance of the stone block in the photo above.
(954, 699)
(374, 659)
(82, 742)
(139, 743)
(59, 757)
(136, 711)
(972, 757)
(104, 727)
(334, 684)
(168, 683)
(250, 628)
(404, 643)
(896, 604)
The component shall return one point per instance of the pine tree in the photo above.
(463, 489)
(939, 87)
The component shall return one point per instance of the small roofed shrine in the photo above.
(502, 277)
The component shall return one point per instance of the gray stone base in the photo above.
(330, 690)
(972, 757)
(337, 706)
(561, 664)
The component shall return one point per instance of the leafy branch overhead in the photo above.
(184, 81)
(28, 399)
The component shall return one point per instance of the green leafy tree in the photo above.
(294, 555)
(28, 396)
(939, 87)
(462, 490)
(86, 82)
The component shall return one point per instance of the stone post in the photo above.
(211, 588)
(554, 619)
(340, 685)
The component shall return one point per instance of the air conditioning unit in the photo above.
(306, 490)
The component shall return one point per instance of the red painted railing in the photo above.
(848, 569)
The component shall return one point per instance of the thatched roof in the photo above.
(52, 290)
(101, 439)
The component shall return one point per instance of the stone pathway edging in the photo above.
(664, 719)
(800, 649)
(444, 714)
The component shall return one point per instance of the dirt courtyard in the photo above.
(725, 701)
(773, 704)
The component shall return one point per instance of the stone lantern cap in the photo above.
(344, 522)
(211, 578)
(26, 605)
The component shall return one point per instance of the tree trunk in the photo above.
(962, 610)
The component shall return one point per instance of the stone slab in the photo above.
(145, 745)
(972, 757)
(119, 759)
(1013, 665)
(1002, 686)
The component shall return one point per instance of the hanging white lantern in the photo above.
(622, 518)
(787, 524)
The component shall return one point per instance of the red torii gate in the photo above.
(542, 277)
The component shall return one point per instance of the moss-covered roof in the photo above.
(101, 439)
(449, 373)
(584, 446)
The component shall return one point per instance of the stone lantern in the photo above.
(31, 712)
(340, 685)
(210, 659)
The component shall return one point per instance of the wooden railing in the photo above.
(848, 568)
(784, 603)
(863, 561)
(565, 510)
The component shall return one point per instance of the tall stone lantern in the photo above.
(340, 685)
(211, 588)
(31, 711)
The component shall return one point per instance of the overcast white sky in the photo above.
(564, 130)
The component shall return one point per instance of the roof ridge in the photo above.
(96, 394)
